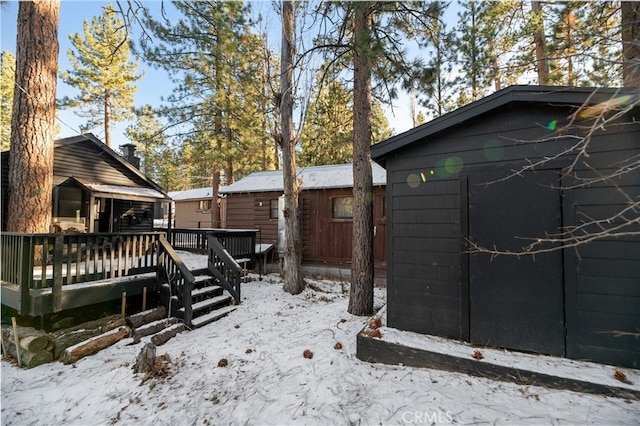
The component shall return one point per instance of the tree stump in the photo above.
(146, 359)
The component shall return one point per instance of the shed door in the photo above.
(516, 302)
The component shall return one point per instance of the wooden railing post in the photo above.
(26, 272)
(56, 288)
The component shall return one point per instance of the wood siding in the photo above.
(91, 163)
(88, 163)
(325, 240)
(189, 215)
(427, 189)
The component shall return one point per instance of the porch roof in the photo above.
(119, 191)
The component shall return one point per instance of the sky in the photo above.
(156, 83)
(267, 379)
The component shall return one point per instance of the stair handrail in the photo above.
(224, 267)
(177, 275)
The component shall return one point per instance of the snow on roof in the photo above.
(124, 190)
(317, 177)
(191, 194)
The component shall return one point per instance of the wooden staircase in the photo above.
(201, 296)
(209, 300)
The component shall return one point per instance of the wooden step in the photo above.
(199, 279)
(212, 316)
(206, 290)
(209, 303)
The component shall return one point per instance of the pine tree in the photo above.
(218, 65)
(439, 94)
(327, 134)
(147, 135)
(7, 84)
(371, 35)
(630, 28)
(485, 44)
(33, 117)
(102, 72)
(293, 279)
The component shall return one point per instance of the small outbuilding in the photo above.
(525, 165)
(255, 202)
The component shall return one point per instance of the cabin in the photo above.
(102, 246)
(256, 202)
(96, 189)
(502, 173)
(192, 208)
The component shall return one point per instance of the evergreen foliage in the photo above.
(7, 80)
(147, 135)
(102, 72)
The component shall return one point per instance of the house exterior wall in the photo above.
(428, 193)
(325, 240)
(188, 214)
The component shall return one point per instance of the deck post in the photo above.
(26, 272)
(56, 288)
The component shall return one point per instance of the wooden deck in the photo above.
(43, 274)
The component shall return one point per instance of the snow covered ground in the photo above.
(269, 381)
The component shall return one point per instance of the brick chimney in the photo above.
(129, 154)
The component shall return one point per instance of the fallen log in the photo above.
(93, 345)
(80, 333)
(153, 328)
(145, 317)
(162, 338)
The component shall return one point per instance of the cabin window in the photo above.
(342, 208)
(384, 207)
(204, 205)
(273, 209)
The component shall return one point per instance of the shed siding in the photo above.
(426, 258)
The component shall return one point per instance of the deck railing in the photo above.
(239, 243)
(42, 261)
(224, 267)
(176, 279)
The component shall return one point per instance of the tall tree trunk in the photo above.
(33, 118)
(293, 280)
(542, 62)
(218, 135)
(107, 118)
(630, 43)
(361, 293)
(215, 209)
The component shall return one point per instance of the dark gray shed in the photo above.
(447, 186)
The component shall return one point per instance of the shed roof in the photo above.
(316, 177)
(531, 94)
